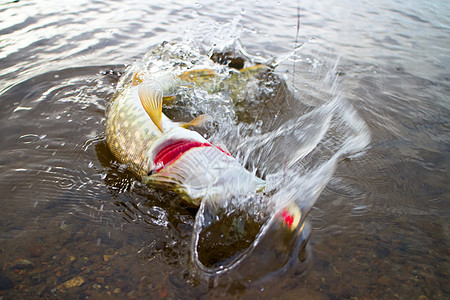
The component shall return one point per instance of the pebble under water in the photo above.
(363, 89)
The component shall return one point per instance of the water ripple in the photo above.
(29, 138)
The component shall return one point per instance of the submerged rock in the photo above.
(108, 257)
(74, 282)
(382, 252)
(5, 283)
(22, 264)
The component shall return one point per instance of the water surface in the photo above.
(75, 224)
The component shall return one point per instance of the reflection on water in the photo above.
(75, 222)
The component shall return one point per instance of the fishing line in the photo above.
(296, 45)
(293, 72)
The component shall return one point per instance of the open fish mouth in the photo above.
(173, 150)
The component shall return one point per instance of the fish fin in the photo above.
(254, 70)
(197, 121)
(137, 79)
(198, 74)
(151, 100)
(168, 98)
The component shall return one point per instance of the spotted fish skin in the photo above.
(129, 131)
(132, 136)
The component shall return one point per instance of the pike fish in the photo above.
(167, 154)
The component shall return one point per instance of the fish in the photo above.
(168, 154)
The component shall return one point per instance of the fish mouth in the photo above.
(170, 152)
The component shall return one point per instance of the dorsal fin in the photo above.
(151, 100)
(137, 79)
(168, 99)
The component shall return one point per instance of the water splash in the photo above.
(304, 154)
(290, 140)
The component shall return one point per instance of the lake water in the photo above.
(75, 224)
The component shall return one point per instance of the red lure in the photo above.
(287, 218)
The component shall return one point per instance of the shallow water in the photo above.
(69, 210)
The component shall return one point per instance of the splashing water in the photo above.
(295, 145)
(297, 160)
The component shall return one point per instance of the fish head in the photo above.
(171, 145)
